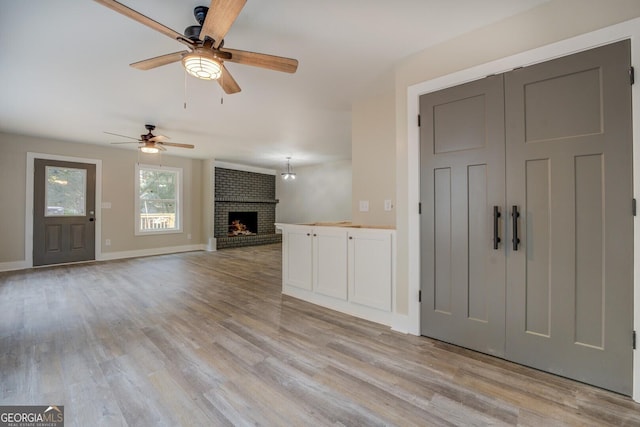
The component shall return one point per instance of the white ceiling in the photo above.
(64, 72)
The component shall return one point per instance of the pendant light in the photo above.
(289, 174)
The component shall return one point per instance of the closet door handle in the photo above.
(496, 238)
(514, 218)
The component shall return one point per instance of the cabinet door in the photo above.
(370, 268)
(330, 262)
(297, 257)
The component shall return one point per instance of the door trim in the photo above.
(626, 30)
(28, 225)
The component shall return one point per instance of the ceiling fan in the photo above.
(150, 143)
(206, 55)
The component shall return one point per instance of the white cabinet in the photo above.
(348, 269)
(330, 262)
(370, 268)
(315, 259)
(297, 259)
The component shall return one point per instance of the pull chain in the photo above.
(185, 90)
(221, 86)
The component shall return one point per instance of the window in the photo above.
(158, 199)
(65, 191)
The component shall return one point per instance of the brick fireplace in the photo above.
(249, 199)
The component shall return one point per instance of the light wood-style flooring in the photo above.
(207, 339)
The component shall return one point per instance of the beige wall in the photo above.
(548, 23)
(374, 159)
(208, 202)
(118, 166)
(319, 193)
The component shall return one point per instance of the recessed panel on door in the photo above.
(536, 236)
(443, 235)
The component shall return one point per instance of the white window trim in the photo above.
(179, 200)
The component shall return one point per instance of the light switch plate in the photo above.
(364, 206)
(388, 205)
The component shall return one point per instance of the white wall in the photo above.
(319, 193)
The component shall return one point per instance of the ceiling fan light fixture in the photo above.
(149, 149)
(202, 65)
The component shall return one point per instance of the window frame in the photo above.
(178, 200)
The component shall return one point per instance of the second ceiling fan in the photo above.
(207, 54)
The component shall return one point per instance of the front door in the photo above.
(63, 212)
(549, 282)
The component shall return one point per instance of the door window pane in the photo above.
(65, 191)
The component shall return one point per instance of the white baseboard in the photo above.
(343, 306)
(13, 265)
(107, 256)
(400, 323)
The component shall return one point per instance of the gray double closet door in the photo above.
(527, 226)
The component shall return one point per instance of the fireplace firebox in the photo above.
(243, 224)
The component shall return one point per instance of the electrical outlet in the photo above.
(388, 205)
(189, 236)
(364, 206)
(107, 242)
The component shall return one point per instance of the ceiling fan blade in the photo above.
(137, 16)
(227, 82)
(124, 136)
(262, 60)
(126, 142)
(158, 138)
(175, 144)
(158, 61)
(221, 15)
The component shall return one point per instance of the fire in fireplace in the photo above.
(243, 223)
